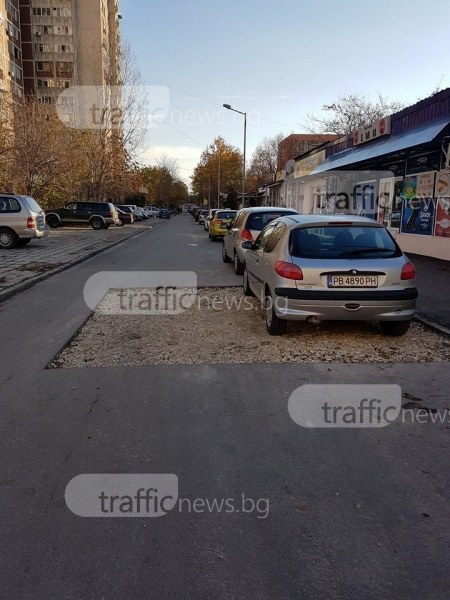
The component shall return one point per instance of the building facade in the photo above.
(294, 145)
(396, 171)
(68, 42)
(11, 73)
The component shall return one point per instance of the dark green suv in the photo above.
(99, 215)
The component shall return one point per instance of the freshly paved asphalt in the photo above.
(354, 514)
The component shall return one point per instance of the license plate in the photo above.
(357, 281)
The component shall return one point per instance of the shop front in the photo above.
(399, 177)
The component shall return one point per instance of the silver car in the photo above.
(21, 220)
(330, 268)
(246, 226)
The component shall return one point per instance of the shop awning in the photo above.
(422, 134)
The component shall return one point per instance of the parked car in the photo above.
(129, 211)
(246, 226)
(197, 214)
(138, 213)
(164, 214)
(330, 268)
(99, 215)
(152, 211)
(202, 216)
(125, 216)
(208, 218)
(219, 223)
(21, 220)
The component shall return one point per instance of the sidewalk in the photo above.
(22, 267)
(433, 277)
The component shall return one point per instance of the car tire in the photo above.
(274, 325)
(225, 257)
(395, 328)
(8, 239)
(246, 286)
(238, 266)
(23, 241)
(97, 223)
(53, 222)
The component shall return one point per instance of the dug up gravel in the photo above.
(229, 328)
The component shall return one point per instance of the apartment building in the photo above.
(11, 74)
(68, 42)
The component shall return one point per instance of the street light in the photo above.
(228, 107)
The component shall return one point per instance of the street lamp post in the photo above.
(228, 107)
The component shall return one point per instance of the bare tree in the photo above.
(263, 164)
(350, 113)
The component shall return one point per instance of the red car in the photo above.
(125, 215)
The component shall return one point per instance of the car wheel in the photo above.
(8, 239)
(394, 328)
(246, 286)
(274, 325)
(96, 223)
(23, 241)
(238, 266)
(53, 221)
(225, 257)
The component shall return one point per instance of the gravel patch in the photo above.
(224, 332)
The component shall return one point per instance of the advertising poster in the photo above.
(418, 204)
(442, 226)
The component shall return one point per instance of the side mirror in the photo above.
(247, 245)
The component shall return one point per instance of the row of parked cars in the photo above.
(22, 219)
(317, 267)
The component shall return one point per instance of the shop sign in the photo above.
(373, 132)
(305, 166)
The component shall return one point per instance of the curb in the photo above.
(25, 285)
(432, 325)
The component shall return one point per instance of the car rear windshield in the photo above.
(257, 221)
(342, 242)
(223, 214)
(33, 205)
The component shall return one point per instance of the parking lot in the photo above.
(60, 249)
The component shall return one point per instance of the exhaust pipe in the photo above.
(313, 320)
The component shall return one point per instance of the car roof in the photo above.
(257, 209)
(329, 219)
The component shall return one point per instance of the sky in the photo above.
(277, 61)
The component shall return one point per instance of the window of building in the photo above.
(12, 11)
(39, 11)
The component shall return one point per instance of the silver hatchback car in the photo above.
(330, 268)
(21, 220)
(246, 226)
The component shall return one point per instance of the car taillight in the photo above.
(288, 270)
(408, 271)
(246, 235)
(31, 223)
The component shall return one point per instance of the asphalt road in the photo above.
(354, 514)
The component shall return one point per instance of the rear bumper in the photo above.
(217, 231)
(31, 234)
(373, 305)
